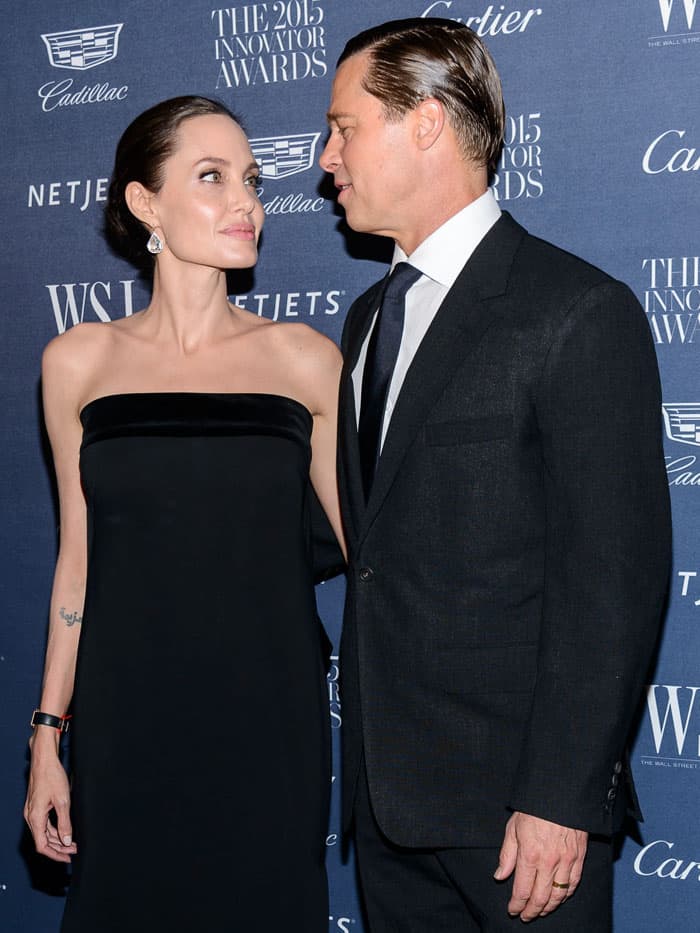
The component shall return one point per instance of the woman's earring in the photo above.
(155, 244)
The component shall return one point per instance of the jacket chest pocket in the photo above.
(469, 431)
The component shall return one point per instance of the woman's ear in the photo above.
(139, 200)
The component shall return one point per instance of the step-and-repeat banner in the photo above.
(602, 156)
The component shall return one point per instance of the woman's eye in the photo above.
(253, 181)
(214, 175)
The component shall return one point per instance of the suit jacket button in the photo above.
(615, 780)
(366, 574)
(612, 793)
(618, 767)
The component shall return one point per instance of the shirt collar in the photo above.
(442, 255)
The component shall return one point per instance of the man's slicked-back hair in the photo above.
(411, 60)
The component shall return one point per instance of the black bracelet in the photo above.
(60, 723)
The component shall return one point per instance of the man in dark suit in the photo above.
(506, 512)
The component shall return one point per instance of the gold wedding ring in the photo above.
(559, 884)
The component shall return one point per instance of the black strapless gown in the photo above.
(200, 737)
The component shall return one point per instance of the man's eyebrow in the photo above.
(333, 116)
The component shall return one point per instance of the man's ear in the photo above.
(430, 122)
(139, 200)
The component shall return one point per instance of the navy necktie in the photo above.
(382, 351)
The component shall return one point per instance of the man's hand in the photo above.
(547, 859)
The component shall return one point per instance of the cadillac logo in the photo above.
(683, 422)
(81, 49)
(280, 156)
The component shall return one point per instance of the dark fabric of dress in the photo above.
(200, 743)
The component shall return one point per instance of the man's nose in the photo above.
(330, 157)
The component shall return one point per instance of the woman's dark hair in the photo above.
(411, 60)
(141, 152)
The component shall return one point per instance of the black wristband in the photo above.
(60, 723)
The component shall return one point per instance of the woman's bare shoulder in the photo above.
(77, 341)
(312, 362)
(303, 341)
(76, 354)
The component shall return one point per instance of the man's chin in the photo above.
(357, 224)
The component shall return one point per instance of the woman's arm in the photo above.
(326, 374)
(48, 783)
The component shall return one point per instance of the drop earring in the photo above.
(155, 244)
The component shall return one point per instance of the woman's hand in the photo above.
(49, 790)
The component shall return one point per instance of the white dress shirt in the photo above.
(440, 258)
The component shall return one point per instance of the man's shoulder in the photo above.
(548, 261)
(544, 275)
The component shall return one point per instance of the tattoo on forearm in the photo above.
(70, 618)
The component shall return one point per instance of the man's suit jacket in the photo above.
(508, 573)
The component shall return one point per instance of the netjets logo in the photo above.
(672, 710)
(666, 8)
(682, 422)
(80, 49)
(280, 156)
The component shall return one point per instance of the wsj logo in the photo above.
(666, 9)
(519, 172)
(665, 155)
(75, 302)
(678, 22)
(267, 43)
(653, 861)
(670, 709)
(83, 49)
(79, 50)
(672, 298)
(282, 156)
(489, 23)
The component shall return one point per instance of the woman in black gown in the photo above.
(185, 440)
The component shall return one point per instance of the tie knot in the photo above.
(400, 280)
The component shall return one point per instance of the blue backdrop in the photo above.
(602, 157)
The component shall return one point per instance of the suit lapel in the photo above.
(467, 311)
(359, 322)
